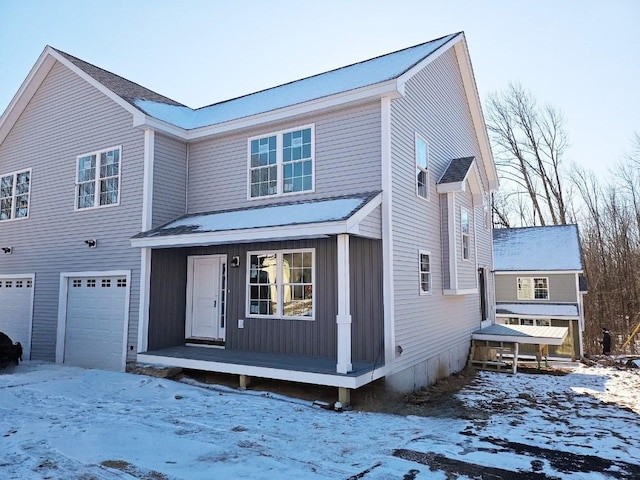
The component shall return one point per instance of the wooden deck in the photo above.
(297, 368)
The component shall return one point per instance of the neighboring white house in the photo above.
(333, 230)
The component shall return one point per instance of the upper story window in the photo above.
(422, 167)
(465, 228)
(533, 288)
(98, 179)
(14, 195)
(425, 273)
(280, 284)
(281, 163)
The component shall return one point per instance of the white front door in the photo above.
(205, 297)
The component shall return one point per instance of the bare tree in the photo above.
(529, 143)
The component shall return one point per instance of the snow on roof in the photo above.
(362, 74)
(552, 248)
(535, 309)
(276, 215)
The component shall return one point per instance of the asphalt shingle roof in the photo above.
(457, 170)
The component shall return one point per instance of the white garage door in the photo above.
(95, 322)
(16, 305)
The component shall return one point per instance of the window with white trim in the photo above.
(533, 288)
(15, 189)
(280, 284)
(422, 167)
(98, 179)
(425, 272)
(465, 228)
(281, 163)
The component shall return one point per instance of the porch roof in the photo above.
(298, 219)
(538, 309)
(522, 334)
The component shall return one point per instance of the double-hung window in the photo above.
(425, 273)
(280, 284)
(465, 228)
(533, 288)
(281, 163)
(14, 195)
(422, 167)
(98, 179)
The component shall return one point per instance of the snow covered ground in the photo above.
(59, 422)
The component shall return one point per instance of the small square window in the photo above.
(91, 283)
(121, 282)
(8, 284)
(18, 283)
(106, 282)
(29, 283)
(77, 283)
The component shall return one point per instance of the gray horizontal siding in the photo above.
(299, 337)
(347, 160)
(435, 106)
(371, 226)
(65, 118)
(562, 287)
(169, 179)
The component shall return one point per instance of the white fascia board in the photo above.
(312, 230)
(378, 90)
(324, 379)
(26, 91)
(526, 273)
(364, 212)
(137, 114)
(473, 100)
(145, 122)
(451, 187)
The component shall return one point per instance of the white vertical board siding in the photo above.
(562, 287)
(65, 118)
(347, 160)
(169, 180)
(429, 325)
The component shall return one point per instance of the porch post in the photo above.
(343, 319)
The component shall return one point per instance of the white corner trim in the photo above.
(387, 233)
(145, 293)
(453, 243)
(147, 183)
(343, 319)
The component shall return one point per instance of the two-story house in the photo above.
(539, 282)
(333, 230)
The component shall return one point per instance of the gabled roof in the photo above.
(537, 249)
(383, 76)
(455, 176)
(457, 170)
(297, 219)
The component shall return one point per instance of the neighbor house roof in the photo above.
(548, 248)
(297, 219)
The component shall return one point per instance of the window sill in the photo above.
(460, 291)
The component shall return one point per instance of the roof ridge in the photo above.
(452, 35)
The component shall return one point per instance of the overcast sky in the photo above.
(580, 56)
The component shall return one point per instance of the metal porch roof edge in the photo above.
(523, 334)
(324, 216)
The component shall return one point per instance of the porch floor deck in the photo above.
(297, 368)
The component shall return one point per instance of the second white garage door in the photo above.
(95, 330)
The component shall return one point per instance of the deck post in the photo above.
(344, 396)
(245, 380)
(343, 319)
(516, 346)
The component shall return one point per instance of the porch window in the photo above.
(14, 195)
(280, 284)
(533, 288)
(98, 179)
(425, 273)
(422, 167)
(281, 163)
